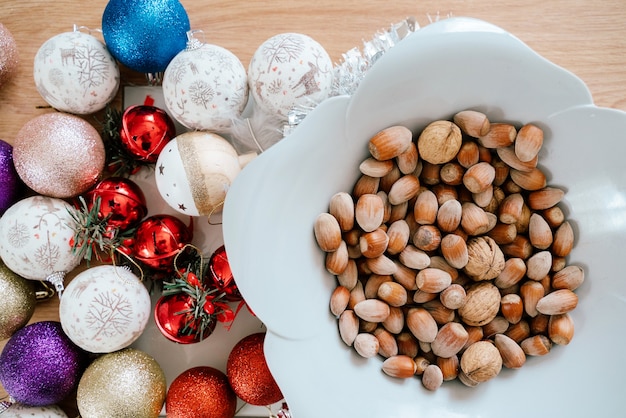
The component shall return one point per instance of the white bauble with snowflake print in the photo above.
(17, 410)
(104, 309)
(289, 70)
(205, 87)
(35, 239)
(75, 73)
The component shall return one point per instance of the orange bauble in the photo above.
(201, 392)
(249, 374)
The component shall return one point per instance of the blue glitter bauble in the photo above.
(145, 35)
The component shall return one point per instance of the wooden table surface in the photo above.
(586, 37)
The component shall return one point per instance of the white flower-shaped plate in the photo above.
(448, 66)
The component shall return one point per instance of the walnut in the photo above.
(485, 259)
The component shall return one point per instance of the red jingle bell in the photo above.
(145, 131)
(121, 200)
(222, 276)
(173, 323)
(159, 239)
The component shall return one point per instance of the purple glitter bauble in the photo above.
(10, 182)
(40, 365)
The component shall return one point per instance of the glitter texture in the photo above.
(124, 384)
(59, 155)
(18, 302)
(40, 365)
(145, 35)
(9, 57)
(248, 373)
(201, 392)
(10, 184)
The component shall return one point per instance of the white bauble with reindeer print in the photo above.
(289, 70)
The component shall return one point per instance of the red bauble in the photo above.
(145, 131)
(248, 373)
(159, 238)
(122, 200)
(201, 392)
(222, 276)
(171, 322)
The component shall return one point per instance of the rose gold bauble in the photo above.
(9, 57)
(59, 155)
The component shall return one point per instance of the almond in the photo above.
(376, 168)
(372, 310)
(450, 339)
(432, 280)
(404, 189)
(348, 326)
(425, 208)
(327, 232)
(499, 135)
(558, 302)
(421, 324)
(390, 142)
(400, 366)
(513, 357)
(528, 142)
(439, 142)
(478, 177)
(472, 122)
(570, 277)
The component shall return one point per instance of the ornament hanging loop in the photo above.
(192, 41)
(133, 262)
(6, 404)
(88, 30)
(56, 279)
(154, 79)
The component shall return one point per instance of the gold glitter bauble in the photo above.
(18, 302)
(124, 384)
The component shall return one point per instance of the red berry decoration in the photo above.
(248, 373)
(122, 202)
(159, 239)
(145, 131)
(201, 392)
(174, 316)
(222, 275)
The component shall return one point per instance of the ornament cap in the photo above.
(193, 42)
(4, 405)
(56, 279)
